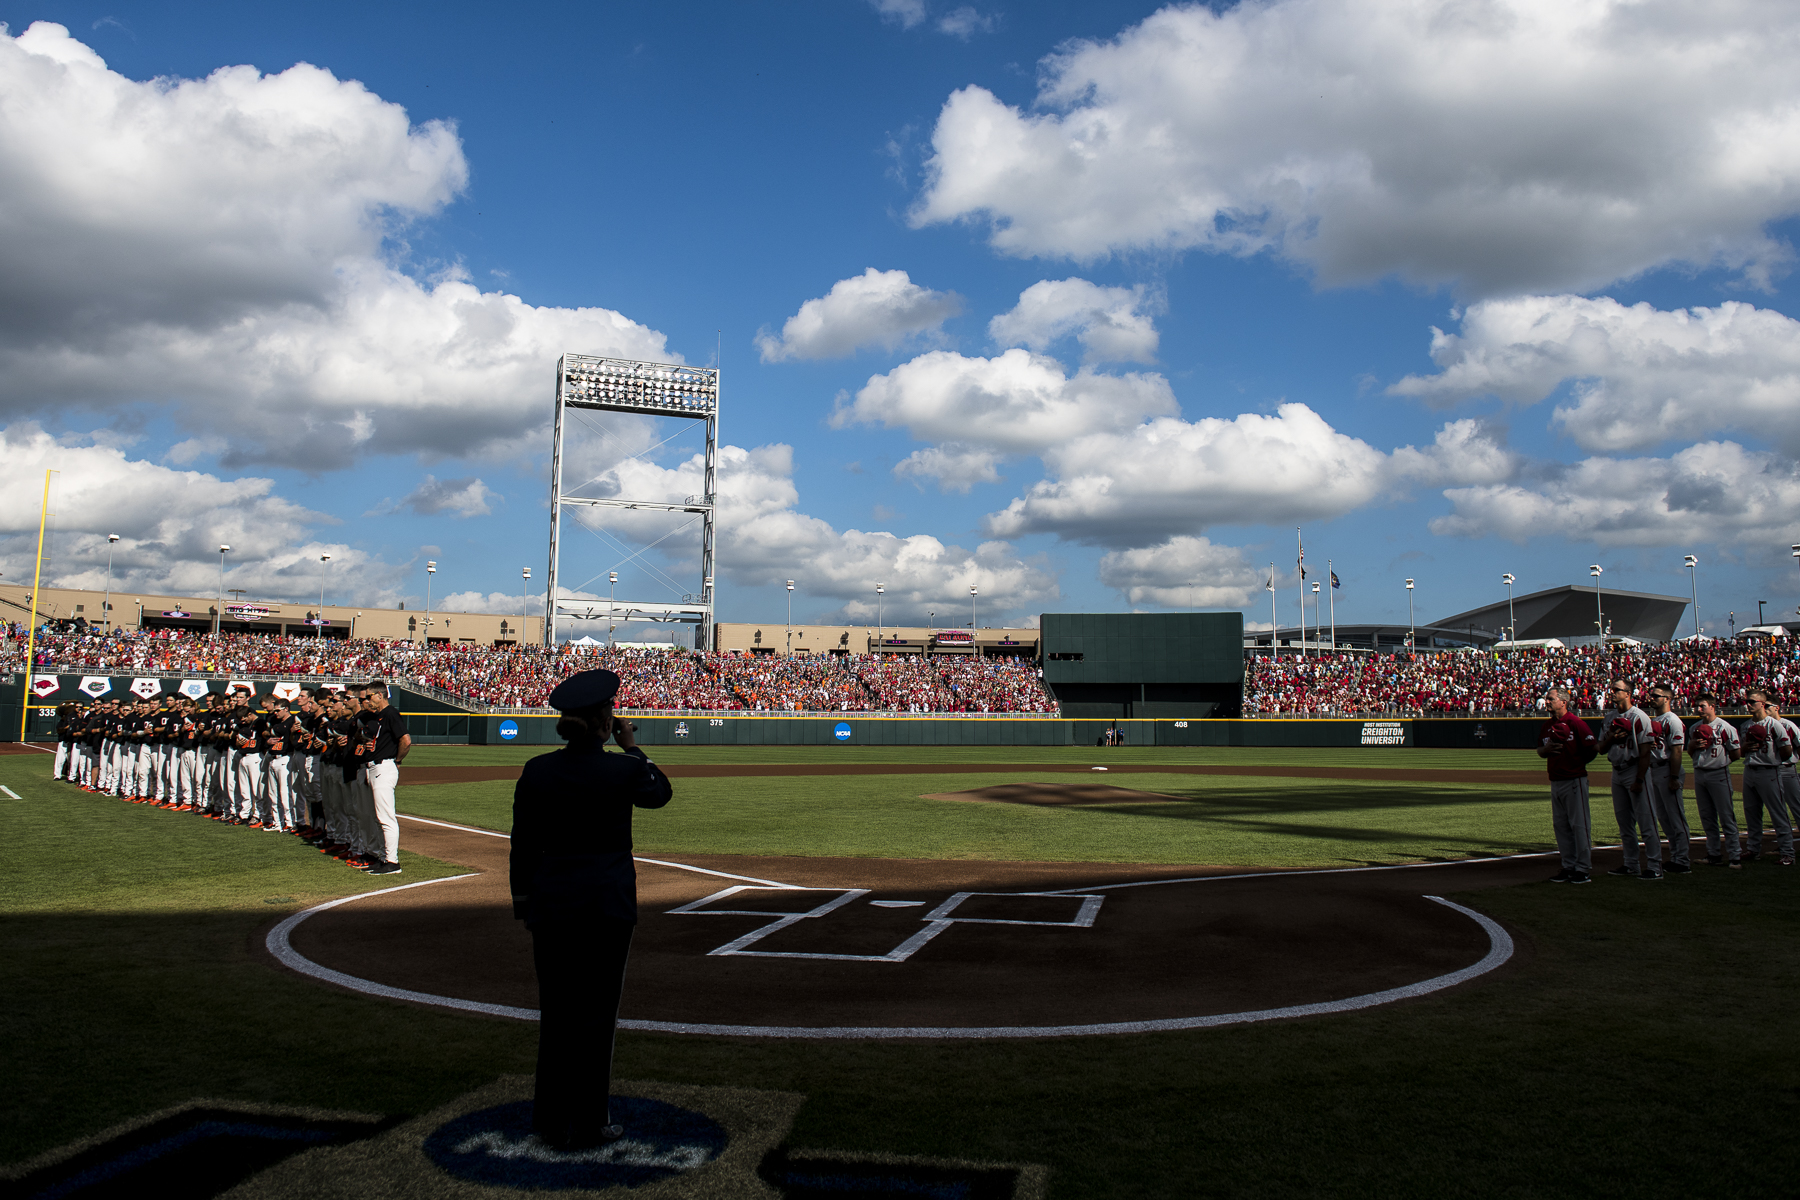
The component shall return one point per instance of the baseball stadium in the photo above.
(1238, 642)
(1098, 941)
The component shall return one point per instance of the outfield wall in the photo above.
(432, 721)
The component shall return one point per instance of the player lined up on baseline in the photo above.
(323, 769)
(1646, 751)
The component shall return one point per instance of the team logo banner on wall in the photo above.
(193, 689)
(96, 685)
(235, 684)
(43, 685)
(149, 689)
(286, 691)
(332, 687)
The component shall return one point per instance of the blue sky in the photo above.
(1170, 282)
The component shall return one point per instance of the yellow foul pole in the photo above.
(31, 629)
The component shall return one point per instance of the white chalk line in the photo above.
(10, 792)
(634, 858)
(1500, 949)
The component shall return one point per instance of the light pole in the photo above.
(219, 605)
(1733, 617)
(1412, 625)
(112, 539)
(612, 623)
(1759, 608)
(1512, 630)
(879, 635)
(524, 606)
(1274, 641)
(1691, 563)
(790, 625)
(1594, 569)
(430, 570)
(971, 614)
(1315, 612)
(319, 629)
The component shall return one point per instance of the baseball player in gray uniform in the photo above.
(1766, 746)
(1626, 741)
(1713, 745)
(1666, 778)
(1790, 769)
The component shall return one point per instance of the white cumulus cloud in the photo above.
(1113, 324)
(226, 246)
(1499, 145)
(1707, 494)
(1640, 374)
(1183, 572)
(904, 13)
(1170, 476)
(876, 308)
(170, 525)
(764, 539)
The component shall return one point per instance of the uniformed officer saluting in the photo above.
(574, 886)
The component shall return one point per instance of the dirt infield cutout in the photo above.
(1055, 795)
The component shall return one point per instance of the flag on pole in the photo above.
(1302, 562)
(1271, 577)
(1334, 580)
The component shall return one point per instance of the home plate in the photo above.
(1055, 794)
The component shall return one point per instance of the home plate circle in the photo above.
(496, 1147)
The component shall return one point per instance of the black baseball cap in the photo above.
(585, 689)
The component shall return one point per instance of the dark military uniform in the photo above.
(574, 885)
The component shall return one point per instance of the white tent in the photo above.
(587, 641)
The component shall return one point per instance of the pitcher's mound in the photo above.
(1061, 794)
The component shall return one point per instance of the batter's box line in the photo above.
(936, 921)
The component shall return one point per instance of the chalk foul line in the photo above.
(1500, 950)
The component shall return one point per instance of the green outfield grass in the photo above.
(1225, 820)
(1372, 756)
(1635, 1046)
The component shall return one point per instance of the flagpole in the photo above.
(1331, 577)
(31, 628)
(1301, 562)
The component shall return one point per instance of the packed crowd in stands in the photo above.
(1460, 683)
(1512, 683)
(522, 677)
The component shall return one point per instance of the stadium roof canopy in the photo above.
(1568, 612)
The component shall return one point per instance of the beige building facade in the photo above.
(245, 614)
(747, 638)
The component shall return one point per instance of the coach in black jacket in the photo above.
(574, 886)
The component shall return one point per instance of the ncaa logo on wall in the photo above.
(842, 732)
(509, 730)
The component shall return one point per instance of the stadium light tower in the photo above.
(1692, 563)
(319, 630)
(612, 620)
(112, 539)
(652, 389)
(879, 635)
(1759, 612)
(430, 570)
(219, 607)
(524, 606)
(1412, 624)
(971, 614)
(1315, 614)
(1512, 630)
(1594, 569)
(790, 627)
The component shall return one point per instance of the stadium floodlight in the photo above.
(1512, 630)
(219, 606)
(1692, 563)
(1412, 624)
(524, 605)
(430, 570)
(879, 635)
(612, 587)
(790, 624)
(1594, 569)
(585, 381)
(971, 615)
(112, 539)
